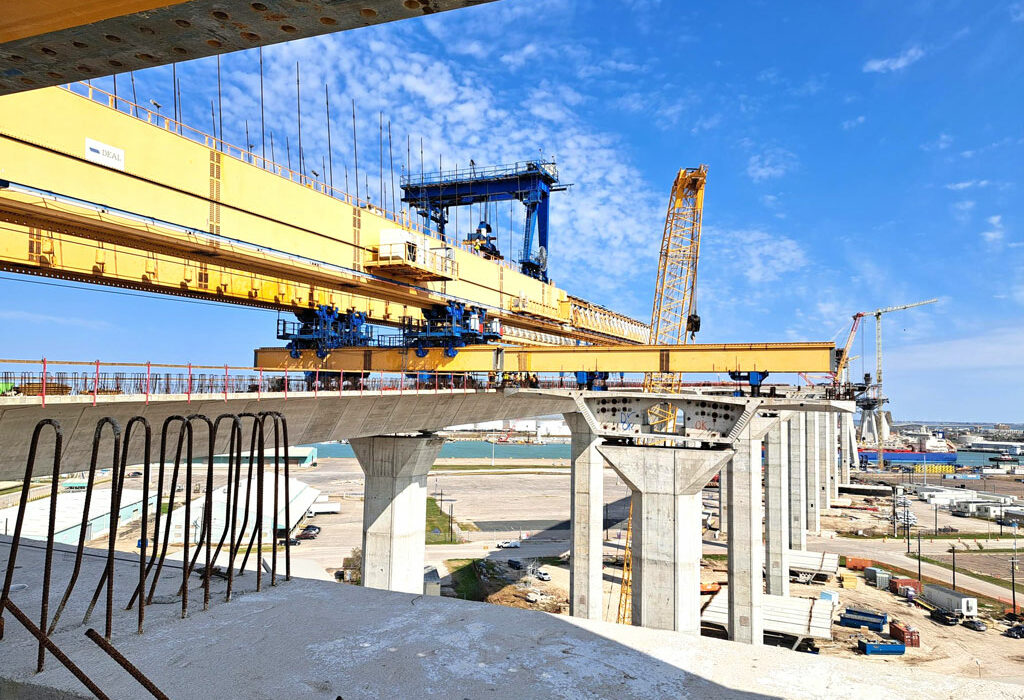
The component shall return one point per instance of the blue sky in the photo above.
(860, 155)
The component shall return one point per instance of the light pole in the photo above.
(918, 556)
(936, 519)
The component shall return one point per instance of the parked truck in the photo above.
(949, 600)
(322, 508)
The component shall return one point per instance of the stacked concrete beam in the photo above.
(395, 508)
(586, 514)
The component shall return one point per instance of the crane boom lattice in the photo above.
(674, 321)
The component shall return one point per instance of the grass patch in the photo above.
(715, 557)
(973, 574)
(466, 579)
(437, 520)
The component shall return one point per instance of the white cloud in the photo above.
(943, 142)
(962, 210)
(967, 184)
(771, 163)
(759, 256)
(769, 200)
(887, 65)
(518, 58)
(993, 349)
(31, 317)
(853, 123)
(706, 123)
(996, 232)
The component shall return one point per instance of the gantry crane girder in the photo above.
(99, 190)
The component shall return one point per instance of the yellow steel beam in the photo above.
(244, 230)
(771, 357)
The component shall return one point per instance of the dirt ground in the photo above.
(948, 650)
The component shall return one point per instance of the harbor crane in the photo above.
(674, 319)
(871, 403)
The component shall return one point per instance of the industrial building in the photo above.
(69, 515)
(301, 495)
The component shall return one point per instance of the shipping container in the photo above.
(954, 601)
(905, 634)
(881, 648)
(854, 564)
(897, 584)
(869, 573)
(882, 579)
(854, 617)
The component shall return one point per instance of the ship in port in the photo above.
(923, 447)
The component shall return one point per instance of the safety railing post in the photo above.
(382, 382)
(362, 381)
(285, 385)
(188, 387)
(149, 369)
(259, 385)
(96, 383)
(44, 383)
(341, 383)
(225, 383)
(316, 383)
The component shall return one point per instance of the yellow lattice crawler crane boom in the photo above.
(674, 320)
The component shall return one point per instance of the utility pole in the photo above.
(936, 519)
(954, 566)
(919, 556)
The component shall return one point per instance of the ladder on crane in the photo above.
(674, 321)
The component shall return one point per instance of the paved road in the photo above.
(893, 552)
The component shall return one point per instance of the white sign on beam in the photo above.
(102, 154)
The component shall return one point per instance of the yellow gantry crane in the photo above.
(674, 320)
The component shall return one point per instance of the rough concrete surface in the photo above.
(315, 639)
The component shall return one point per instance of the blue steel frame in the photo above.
(530, 182)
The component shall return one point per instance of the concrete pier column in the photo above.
(776, 519)
(723, 504)
(746, 553)
(813, 491)
(586, 521)
(822, 461)
(833, 452)
(666, 547)
(847, 447)
(395, 508)
(797, 478)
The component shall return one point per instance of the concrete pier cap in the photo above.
(666, 483)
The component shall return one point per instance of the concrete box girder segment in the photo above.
(666, 483)
(395, 508)
(51, 42)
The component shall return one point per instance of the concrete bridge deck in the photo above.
(312, 417)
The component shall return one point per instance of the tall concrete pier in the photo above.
(586, 515)
(395, 508)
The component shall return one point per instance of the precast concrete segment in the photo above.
(311, 418)
(777, 520)
(667, 506)
(746, 553)
(811, 483)
(822, 462)
(797, 478)
(60, 41)
(586, 521)
(395, 508)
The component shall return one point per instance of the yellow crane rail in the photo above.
(697, 358)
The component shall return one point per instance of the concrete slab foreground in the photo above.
(323, 640)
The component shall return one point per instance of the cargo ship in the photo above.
(908, 456)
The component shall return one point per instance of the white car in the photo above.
(509, 544)
(542, 576)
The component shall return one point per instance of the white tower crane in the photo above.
(879, 424)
